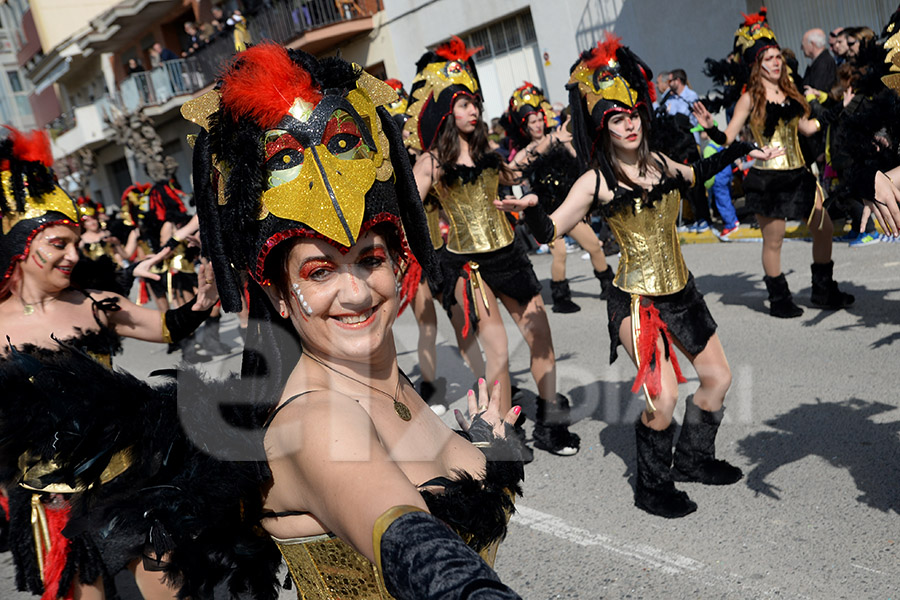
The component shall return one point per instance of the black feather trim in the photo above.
(729, 78)
(478, 509)
(781, 112)
(466, 174)
(624, 198)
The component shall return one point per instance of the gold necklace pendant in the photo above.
(402, 410)
(28, 309)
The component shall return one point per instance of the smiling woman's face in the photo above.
(52, 255)
(343, 305)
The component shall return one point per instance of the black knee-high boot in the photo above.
(654, 491)
(781, 302)
(606, 279)
(562, 297)
(695, 453)
(825, 292)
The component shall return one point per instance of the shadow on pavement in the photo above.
(842, 433)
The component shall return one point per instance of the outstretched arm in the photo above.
(738, 120)
(426, 171)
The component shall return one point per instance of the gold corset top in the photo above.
(324, 567)
(476, 225)
(784, 136)
(651, 262)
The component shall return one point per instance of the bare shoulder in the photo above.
(322, 417)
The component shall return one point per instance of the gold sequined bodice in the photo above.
(784, 136)
(325, 567)
(476, 225)
(651, 262)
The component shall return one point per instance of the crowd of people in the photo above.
(327, 201)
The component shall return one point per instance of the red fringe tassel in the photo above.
(649, 373)
(55, 560)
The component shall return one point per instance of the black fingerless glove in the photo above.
(540, 224)
(179, 323)
(706, 168)
(422, 559)
(716, 135)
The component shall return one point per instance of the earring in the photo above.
(283, 314)
(303, 304)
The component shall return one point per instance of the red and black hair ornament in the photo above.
(527, 99)
(30, 197)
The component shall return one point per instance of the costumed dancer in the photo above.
(874, 135)
(484, 261)
(304, 183)
(102, 256)
(654, 306)
(781, 188)
(42, 306)
(420, 292)
(550, 167)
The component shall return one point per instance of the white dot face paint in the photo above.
(304, 305)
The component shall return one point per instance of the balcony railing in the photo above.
(158, 86)
(63, 123)
(282, 21)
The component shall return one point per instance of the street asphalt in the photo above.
(813, 419)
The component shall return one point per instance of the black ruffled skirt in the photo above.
(685, 314)
(506, 271)
(788, 195)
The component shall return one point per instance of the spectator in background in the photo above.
(134, 66)
(678, 102)
(856, 36)
(160, 54)
(821, 74)
(719, 188)
(839, 45)
(662, 89)
(197, 38)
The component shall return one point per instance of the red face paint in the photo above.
(38, 258)
(315, 269)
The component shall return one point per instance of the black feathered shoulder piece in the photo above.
(552, 174)
(478, 509)
(464, 174)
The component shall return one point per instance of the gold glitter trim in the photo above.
(55, 201)
(199, 109)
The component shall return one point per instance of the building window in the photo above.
(503, 36)
(14, 82)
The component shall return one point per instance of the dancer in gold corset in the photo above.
(781, 188)
(654, 306)
(485, 265)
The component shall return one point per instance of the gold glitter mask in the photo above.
(603, 84)
(320, 164)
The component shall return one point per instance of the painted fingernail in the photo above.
(480, 380)
(470, 393)
(496, 382)
(517, 410)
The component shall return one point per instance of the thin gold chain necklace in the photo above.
(401, 409)
(28, 307)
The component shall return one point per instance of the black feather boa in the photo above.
(781, 112)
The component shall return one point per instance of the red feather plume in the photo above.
(757, 18)
(605, 50)
(456, 49)
(31, 147)
(396, 84)
(263, 82)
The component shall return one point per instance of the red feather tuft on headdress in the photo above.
(757, 18)
(650, 86)
(396, 84)
(262, 84)
(456, 49)
(31, 147)
(605, 50)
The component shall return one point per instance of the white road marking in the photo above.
(868, 569)
(646, 556)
